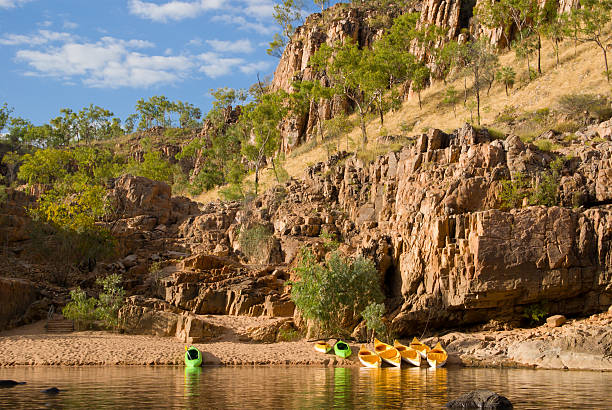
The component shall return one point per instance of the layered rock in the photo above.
(429, 215)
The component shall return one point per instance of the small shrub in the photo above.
(81, 309)
(514, 191)
(288, 335)
(575, 105)
(406, 127)
(329, 240)
(566, 126)
(546, 191)
(373, 315)
(255, 242)
(496, 134)
(110, 300)
(508, 114)
(546, 145)
(336, 293)
(536, 313)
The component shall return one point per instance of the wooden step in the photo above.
(60, 326)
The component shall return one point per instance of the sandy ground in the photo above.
(30, 345)
(584, 344)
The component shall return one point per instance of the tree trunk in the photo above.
(420, 105)
(464, 91)
(539, 54)
(274, 169)
(364, 134)
(606, 61)
(506, 89)
(256, 176)
(557, 51)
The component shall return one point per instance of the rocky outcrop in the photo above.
(16, 295)
(334, 25)
(429, 215)
(480, 399)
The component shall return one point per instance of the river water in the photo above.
(297, 387)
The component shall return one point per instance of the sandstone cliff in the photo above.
(334, 25)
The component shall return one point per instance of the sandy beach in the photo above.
(577, 345)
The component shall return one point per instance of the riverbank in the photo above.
(584, 344)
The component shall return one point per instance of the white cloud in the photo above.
(10, 4)
(172, 10)
(42, 37)
(108, 63)
(243, 24)
(255, 67)
(260, 9)
(196, 42)
(70, 25)
(216, 66)
(237, 46)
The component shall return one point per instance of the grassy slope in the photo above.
(579, 74)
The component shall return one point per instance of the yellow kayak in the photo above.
(408, 354)
(322, 347)
(437, 356)
(368, 358)
(422, 348)
(388, 353)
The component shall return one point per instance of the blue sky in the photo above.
(70, 53)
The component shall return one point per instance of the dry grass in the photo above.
(579, 74)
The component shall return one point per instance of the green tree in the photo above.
(5, 115)
(287, 14)
(350, 76)
(420, 79)
(506, 76)
(11, 159)
(479, 61)
(264, 118)
(335, 293)
(594, 16)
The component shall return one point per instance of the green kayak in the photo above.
(193, 357)
(342, 349)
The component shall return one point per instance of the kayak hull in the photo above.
(322, 347)
(193, 357)
(341, 349)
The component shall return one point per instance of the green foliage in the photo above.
(11, 160)
(373, 315)
(335, 294)
(81, 309)
(329, 240)
(514, 191)
(288, 335)
(287, 14)
(575, 105)
(84, 310)
(255, 242)
(110, 300)
(153, 166)
(536, 313)
(546, 191)
(506, 76)
(546, 145)
(3, 194)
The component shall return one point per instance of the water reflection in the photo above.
(296, 387)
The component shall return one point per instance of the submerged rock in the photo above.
(10, 383)
(480, 399)
(52, 390)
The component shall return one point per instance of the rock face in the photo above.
(334, 25)
(16, 295)
(480, 399)
(429, 215)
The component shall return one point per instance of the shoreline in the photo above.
(577, 345)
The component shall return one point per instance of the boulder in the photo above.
(148, 316)
(480, 399)
(193, 329)
(555, 321)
